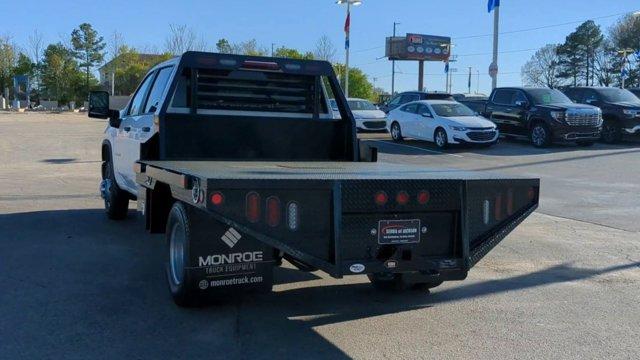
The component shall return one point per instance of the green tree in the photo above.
(62, 79)
(131, 67)
(577, 54)
(624, 34)
(359, 85)
(8, 57)
(87, 48)
(284, 52)
(224, 46)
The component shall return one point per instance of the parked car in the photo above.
(443, 122)
(368, 116)
(409, 96)
(543, 115)
(620, 109)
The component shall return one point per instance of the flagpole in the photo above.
(496, 21)
(346, 66)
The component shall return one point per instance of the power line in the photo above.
(463, 55)
(521, 30)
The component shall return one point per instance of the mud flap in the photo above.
(224, 260)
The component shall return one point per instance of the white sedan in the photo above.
(368, 116)
(443, 122)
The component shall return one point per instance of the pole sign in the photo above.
(493, 69)
(418, 47)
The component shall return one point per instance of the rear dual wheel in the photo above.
(177, 249)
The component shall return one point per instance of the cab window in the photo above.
(141, 94)
(503, 96)
(159, 85)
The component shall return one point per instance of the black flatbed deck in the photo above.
(230, 170)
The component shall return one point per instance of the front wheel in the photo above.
(396, 132)
(540, 135)
(440, 138)
(611, 132)
(116, 201)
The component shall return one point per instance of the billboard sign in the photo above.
(418, 47)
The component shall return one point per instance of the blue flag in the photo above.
(446, 67)
(492, 5)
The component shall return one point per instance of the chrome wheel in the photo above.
(539, 135)
(396, 133)
(441, 138)
(176, 254)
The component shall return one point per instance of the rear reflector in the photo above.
(293, 216)
(402, 198)
(217, 198)
(486, 212)
(381, 198)
(273, 211)
(252, 207)
(497, 207)
(423, 197)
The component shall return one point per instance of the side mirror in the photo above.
(99, 104)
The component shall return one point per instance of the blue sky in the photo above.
(299, 23)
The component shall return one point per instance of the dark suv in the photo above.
(620, 109)
(409, 96)
(543, 115)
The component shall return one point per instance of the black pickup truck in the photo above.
(246, 165)
(540, 114)
(620, 109)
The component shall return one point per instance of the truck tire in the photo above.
(396, 132)
(611, 132)
(178, 239)
(540, 135)
(440, 138)
(397, 282)
(116, 200)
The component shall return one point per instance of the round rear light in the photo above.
(402, 198)
(423, 197)
(381, 198)
(217, 198)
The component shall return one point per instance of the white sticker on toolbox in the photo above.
(356, 268)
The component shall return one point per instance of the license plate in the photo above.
(398, 231)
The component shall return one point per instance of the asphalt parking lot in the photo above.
(565, 284)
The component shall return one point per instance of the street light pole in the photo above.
(494, 64)
(625, 57)
(347, 30)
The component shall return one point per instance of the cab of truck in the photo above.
(543, 115)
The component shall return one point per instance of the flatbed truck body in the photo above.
(241, 162)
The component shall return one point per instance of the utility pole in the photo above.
(420, 75)
(469, 83)
(393, 64)
(478, 82)
(272, 45)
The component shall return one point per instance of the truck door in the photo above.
(503, 112)
(127, 147)
(518, 113)
(141, 122)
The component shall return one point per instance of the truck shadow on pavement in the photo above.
(77, 285)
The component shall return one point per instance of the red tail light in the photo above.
(423, 197)
(273, 211)
(260, 65)
(402, 198)
(217, 198)
(498, 208)
(252, 207)
(381, 198)
(510, 202)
